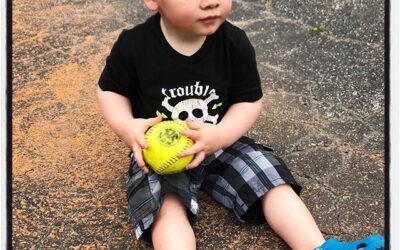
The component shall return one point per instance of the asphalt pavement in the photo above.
(322, 70)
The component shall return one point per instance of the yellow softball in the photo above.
(165, 144)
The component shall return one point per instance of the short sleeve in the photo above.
(118, 74)
(246, 84)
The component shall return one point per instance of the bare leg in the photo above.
(171, 228)
(288, 216)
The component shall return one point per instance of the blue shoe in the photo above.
(373, 242)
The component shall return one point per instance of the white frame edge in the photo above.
(3, 125)
(394, 124)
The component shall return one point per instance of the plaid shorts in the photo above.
(237, 177)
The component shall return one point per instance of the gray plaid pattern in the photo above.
(236, 177)
(257, 169)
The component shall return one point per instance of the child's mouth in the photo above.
(209, 19)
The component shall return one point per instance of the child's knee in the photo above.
(172, 209)
(279, 195)
(172, 223)
(284, 188)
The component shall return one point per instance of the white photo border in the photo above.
(394, 132)
(3, 125)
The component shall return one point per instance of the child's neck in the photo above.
(185, 44)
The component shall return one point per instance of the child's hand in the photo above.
(135, 130)
(208, 139)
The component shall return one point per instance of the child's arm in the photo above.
(210, 138)
(116, 110)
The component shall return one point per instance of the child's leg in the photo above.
(171, 228)
(288, 216)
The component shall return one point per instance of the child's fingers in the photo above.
(153, 121)
(196, 148)
(149, 122)
(137, 152)
(145, 169)
(197, 160)
(193, 134)
(141, 141)
(192, 124)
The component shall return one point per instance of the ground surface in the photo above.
(323, 114)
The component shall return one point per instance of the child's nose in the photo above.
(209, 4)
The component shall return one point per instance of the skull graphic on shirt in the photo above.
(195, 109)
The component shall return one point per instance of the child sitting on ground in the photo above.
(187, 62)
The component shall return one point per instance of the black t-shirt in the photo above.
(158, 80)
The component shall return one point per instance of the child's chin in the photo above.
(208, 31)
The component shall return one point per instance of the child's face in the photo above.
(194, 17)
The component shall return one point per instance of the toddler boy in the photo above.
(187, 62)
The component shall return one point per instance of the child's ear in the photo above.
(151, 4)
